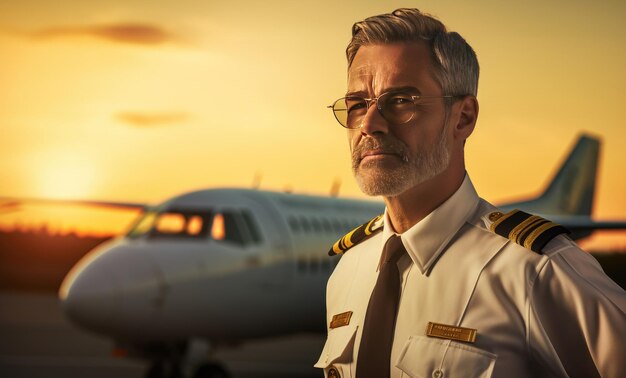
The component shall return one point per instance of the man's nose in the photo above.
(373, 122)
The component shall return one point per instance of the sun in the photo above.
(67, 176)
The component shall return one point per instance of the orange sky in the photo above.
(141, 100)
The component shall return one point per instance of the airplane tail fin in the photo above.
(572, 189)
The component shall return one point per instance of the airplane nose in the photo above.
(92, 295)
(100, 292)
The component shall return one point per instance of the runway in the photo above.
(37, 341)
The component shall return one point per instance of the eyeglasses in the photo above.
(396, 108)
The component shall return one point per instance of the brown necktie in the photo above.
(380, 318)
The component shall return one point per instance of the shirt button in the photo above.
(437, 373)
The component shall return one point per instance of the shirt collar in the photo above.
(425, 240)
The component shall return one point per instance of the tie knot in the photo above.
(393, 250)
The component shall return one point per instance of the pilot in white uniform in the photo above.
(443, 284)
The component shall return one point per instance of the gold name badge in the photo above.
(341, 320)
(444, 331)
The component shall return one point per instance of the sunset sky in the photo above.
(142, 100)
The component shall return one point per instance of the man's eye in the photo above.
(352, 106)
(399, 100)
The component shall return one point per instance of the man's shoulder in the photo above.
(523, 230)
(519, 259)
(528, 242)
(358, 235)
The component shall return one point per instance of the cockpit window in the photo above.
(143, 225)
(235, 230)
(195, 225)
(172, 224)
(236, 227)
(181, 224)
(218, 230)
(252, 226)
(232, 226)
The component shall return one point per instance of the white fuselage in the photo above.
(250, 255)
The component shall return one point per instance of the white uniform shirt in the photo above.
(550, 314)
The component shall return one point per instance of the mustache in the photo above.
(388, 145)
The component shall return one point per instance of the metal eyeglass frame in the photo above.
(368, 102)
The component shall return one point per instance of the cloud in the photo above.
(131, 32)
(144, 119)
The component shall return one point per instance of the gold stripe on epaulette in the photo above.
(342, 243)
(519, 229)
(528, 230)
(368, 228)
(336, 247)
(502, 219)
(348, 238)
(536, 233)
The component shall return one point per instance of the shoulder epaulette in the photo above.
(359, 234)
(531, 231)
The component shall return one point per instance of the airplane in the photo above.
(219, 267)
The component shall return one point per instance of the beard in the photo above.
(409, 170)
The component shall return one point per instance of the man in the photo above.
(430, 288)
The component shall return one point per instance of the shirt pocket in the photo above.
(336, 358)
(426, 357)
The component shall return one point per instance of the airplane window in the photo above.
(337, 225)
(169, 223)
(327, 226)
(178, 224)
(218, 231)
(317, 227)
(294, 225)
(305, 224)
(234, 230)
(194, 225)
(230, 227)
(143, 225)
(252, 226)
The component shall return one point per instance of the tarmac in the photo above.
(37, 341)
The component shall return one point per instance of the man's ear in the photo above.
(467, 116)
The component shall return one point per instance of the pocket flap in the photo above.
(339, 346)
(424, 357)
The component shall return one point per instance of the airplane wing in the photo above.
(577, 224)
(9, 204)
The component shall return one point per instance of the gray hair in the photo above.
(456, 66)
